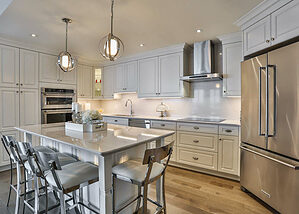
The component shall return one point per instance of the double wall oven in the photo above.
(56, 105)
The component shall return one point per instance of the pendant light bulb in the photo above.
(65, 60)
(111, 47)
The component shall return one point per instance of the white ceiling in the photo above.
(156, 23)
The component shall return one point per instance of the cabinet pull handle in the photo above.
(196, 141)
(267, 41)
(162, 125)
(228, 131)
(195, 158)
(115, 120)
(196, 127)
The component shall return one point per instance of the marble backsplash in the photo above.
(206, 101)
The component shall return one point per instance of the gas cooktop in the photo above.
(202, 119)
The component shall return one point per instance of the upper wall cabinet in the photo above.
(126, 77)
(28, 69)
(51, 73)
(232, 57)
(9, 66)
(108, 82)
(160, 76)
(84, 86)
(270, 23)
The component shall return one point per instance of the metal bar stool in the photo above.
(142, 174)
(67, 179)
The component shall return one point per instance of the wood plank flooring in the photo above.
(187, 192)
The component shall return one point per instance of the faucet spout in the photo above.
(126, 105)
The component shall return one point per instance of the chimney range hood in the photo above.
(203, 64)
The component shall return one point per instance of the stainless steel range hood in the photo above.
(203, 63)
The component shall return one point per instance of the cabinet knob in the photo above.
(267, 41)
(162, 125)
(115, 120)
(21, 84)
(21, 92)
(196, 127)
(272, 39)
(195, 158)
(220, 139)
(17, 83)
(17, 92)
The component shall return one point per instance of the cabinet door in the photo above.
(228, 154)
(170, 67)
(48, 68)
(120, 76)
(29, 107)
(148, 77)
(284, 23)
(9, 66)
(79, 80)
(28, 69)
(67, 77)
(257, 36)
(9, 108)
(4, 158)
(84, 86)
(131, 76)
(108, 82)
(232, 57)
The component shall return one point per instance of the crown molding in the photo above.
(231, 37)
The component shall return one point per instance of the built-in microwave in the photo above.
(52, 98)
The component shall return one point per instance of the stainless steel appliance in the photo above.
(270, 128)
(56, 105)
(203, 66)
(141, 123)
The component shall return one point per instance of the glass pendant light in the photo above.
(65, 59)
(111, 47)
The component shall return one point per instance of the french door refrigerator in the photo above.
(270, 128)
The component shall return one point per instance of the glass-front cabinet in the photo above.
(97, 84)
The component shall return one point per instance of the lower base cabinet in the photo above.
(228, 154)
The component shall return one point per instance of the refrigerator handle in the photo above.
(295, 167)
(260, 101)
(274, 100)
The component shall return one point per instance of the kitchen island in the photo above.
(105, 149)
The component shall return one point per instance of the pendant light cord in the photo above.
(112, 4)
(66, 31)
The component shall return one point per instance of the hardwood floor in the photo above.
(187, 192)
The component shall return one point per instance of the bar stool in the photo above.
(17, 156)
(142, 174)
(68, 178)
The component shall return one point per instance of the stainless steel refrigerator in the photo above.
(270, 128)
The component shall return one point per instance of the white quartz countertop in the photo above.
(116, 138)
(175, 119)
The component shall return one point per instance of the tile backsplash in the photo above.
(206, 101)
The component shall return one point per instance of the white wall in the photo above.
(206, 101)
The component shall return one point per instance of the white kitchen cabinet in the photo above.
(108, 82)
(84, 83)
(228, 154)
(170, 68)
(117, 120)
(51, 73)
(9, 108)
(28, 69)
(4, 158)
(232, 57)
(9, 66)
(48, 68)
(257, 36)
(29, 107)
(148, 78)
(126, 77)
(284, 23)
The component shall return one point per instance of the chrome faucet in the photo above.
(126, 105)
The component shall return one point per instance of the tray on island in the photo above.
(86, 127)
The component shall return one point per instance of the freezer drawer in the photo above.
(272, 179)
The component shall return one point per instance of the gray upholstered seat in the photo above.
(134, 170)
(74, 174)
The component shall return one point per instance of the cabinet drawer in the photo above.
(207, 142)
(195, 127)
(202, 159)
(117, 121)
(163, 125)
(229, 130)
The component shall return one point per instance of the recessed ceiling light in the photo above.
(141, 45)
(33, 35)
(199, 30)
